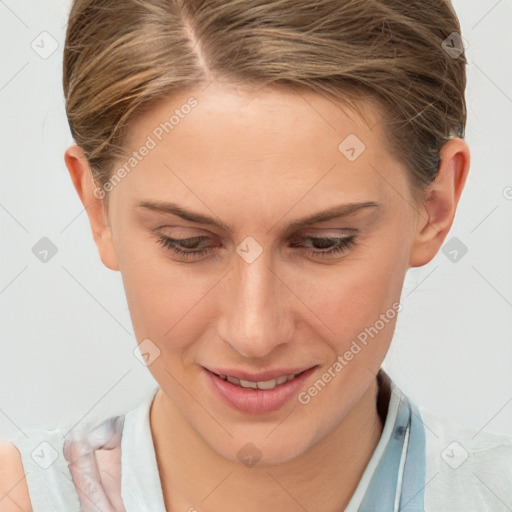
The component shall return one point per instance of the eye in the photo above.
(334, 245)
(326, 246)
(177, 245)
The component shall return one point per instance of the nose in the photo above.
(258, 315)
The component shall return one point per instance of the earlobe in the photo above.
(81, 176)
(437, 210)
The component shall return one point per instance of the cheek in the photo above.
(162, 303)
(351, 296)
(160, 294)
(166, 309)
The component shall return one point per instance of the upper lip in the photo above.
(260, 376)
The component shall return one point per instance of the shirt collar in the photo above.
(392, 480)
(394, 477)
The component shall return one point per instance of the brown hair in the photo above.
(120, 57)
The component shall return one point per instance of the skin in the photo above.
(258, 160)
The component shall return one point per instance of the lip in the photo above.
(257, 401)
(257, 377)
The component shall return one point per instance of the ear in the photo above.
(439, 203)
(81, 175)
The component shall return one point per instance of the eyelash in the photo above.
(344, 243)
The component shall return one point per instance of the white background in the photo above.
(65, 335)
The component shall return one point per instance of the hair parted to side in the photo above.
(122, 56)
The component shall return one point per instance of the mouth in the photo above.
(259, 393)
(262, 384)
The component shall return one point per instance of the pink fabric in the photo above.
(94, 460)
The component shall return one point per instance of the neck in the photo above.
(194, 479)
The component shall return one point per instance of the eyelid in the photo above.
(342, 244)
(203, 232)
(312, 231)
(328, 231)
(325, 233)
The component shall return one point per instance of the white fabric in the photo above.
(481, 483)
(140, 481)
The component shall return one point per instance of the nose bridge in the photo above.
(254, 321)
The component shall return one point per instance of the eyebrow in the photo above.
(341, 210)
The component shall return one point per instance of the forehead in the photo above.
(292, 113)
(260, 141)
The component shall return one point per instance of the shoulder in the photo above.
(14, 495)
(42, 468)
(463, 463)
(467, 444)
(37, 473)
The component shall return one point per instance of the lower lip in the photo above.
(257, 401)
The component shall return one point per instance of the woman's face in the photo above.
(258, 291)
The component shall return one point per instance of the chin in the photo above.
(265, 452)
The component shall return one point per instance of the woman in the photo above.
(263, 174)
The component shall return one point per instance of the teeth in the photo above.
(282, 380)
(267, 384)
(248, 384)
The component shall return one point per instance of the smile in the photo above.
(257, 393)
(266, 384)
